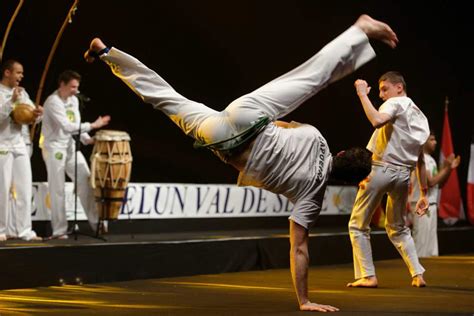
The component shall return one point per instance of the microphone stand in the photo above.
(77, 141)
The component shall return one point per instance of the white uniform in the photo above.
(25, 132)
(273, 164)
(15, 167)
(11, 227)
(396, 147)
(425, 228)
(61, 120)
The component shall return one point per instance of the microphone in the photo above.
(83, 98)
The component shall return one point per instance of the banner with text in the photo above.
(182, 200)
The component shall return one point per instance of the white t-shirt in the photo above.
(294, 162)
(400, 141)
(61, 120)
(11, 132)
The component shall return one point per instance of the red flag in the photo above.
(470, 187)
(450, 205)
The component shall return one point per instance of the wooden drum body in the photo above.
(111, 166)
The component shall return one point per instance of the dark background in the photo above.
(215, 51)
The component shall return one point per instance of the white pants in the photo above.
(15, 211)
(425, 232)
(394, 181)
(59, 162)
(281, 96)
(12, 230)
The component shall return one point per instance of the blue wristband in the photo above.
(100, 53)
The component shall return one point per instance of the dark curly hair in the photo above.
(351, 166)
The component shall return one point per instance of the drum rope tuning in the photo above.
(110, 161)
(111, 166)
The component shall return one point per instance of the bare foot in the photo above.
(418, 281)
(377, 30)
(96, 46)
(34, 238)
(370, 282)
(314, 307)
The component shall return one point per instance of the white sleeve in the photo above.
(6, 107)
(58, 115)
(85, 137)
(390, 107)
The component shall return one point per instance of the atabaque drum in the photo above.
(111, 166)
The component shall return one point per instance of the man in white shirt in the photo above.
(15, 166)
(61, 121)
(291, 159)
(396, 146)
(425, 228)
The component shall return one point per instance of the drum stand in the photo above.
(102, 202)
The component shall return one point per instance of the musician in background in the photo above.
(62, 120)
(425, 228)
(15, 166)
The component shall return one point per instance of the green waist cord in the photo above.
(233, 142)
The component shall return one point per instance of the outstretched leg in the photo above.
(340, 57)
(276, 99)
(153, 89)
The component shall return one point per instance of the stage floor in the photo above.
(450, 291)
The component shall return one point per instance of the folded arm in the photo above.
(376, 118)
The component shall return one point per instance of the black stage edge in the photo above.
(167, 254)
(158, 226)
